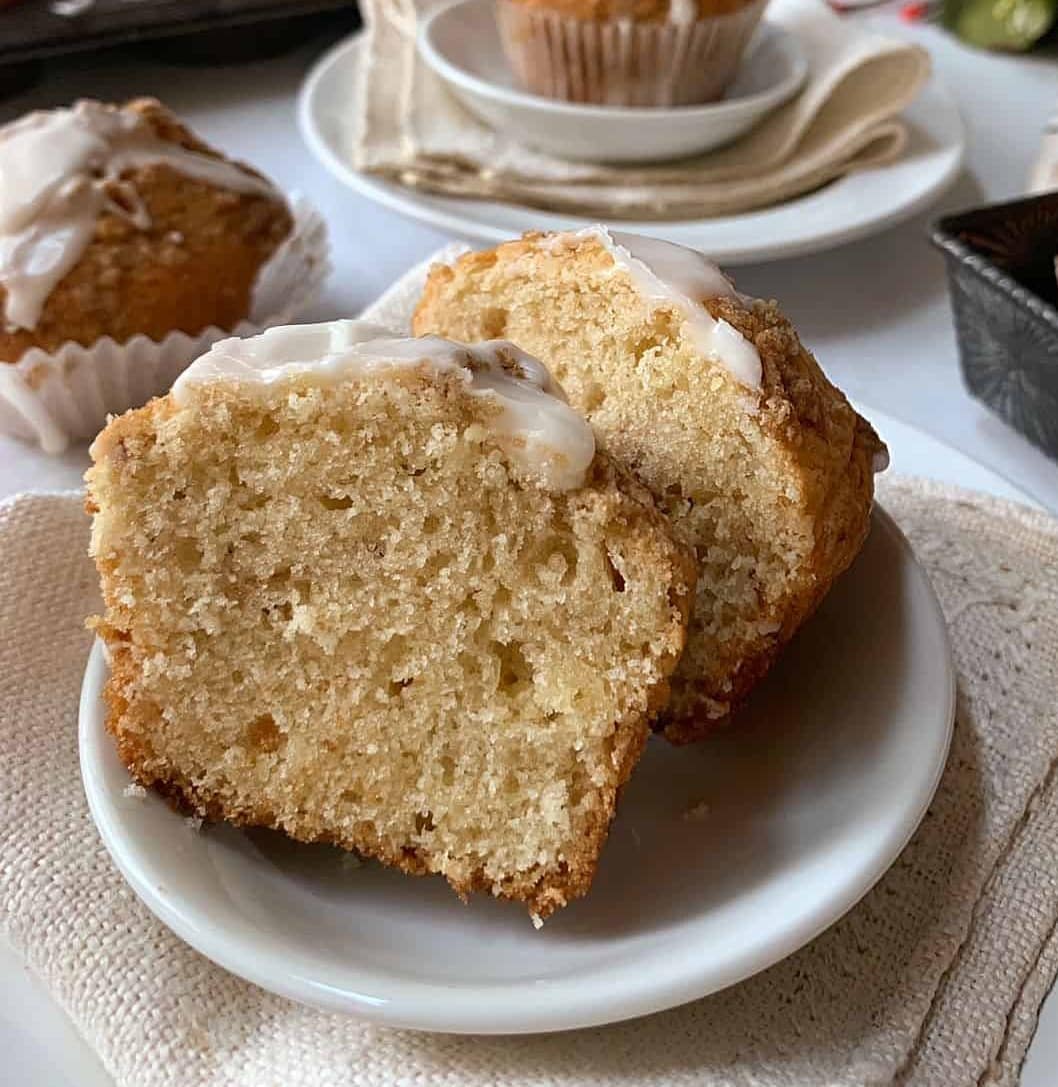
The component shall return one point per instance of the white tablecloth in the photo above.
(876, 313)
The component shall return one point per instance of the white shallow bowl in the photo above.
(461, 44)
(806, 804)
(862, 203)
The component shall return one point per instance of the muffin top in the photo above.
(643, 11)
(117, 221)
(528, 413)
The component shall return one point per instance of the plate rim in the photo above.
(412, 204)
(439, 1007)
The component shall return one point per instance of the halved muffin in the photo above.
(760, 462)
(385, 593)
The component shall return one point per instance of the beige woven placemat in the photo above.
(407, 127)
(934, 979)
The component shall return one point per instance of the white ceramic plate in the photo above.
(850, 208)
(461, 43)
(41, 1047)
(809, 799)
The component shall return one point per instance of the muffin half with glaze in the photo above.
(762, 465)
(627, 52)
(127, 245)
(385, 593)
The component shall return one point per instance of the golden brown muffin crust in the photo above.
(816, 422)
(194, 266)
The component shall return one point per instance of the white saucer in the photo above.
(852, 207)
(461, 43)
(803, 806)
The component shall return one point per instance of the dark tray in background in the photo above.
(201, 31)
(1004, 296)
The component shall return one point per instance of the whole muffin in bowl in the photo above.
(627, 52)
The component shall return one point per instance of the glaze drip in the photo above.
(540, 432)
(672, 275)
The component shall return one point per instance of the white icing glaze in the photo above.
(536, 427)
(58, 170)
(667, 274)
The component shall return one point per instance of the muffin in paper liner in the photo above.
(622, 61)
(56, 397)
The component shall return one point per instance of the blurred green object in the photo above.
(1000, 24)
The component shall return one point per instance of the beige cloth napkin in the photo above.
(933, 980)
(410, 129)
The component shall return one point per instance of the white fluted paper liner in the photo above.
(620, 62)
(53, 398)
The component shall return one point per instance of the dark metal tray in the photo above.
(1001, 275)
(208, 31)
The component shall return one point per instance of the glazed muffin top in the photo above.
(644, 11)
(117, 221)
